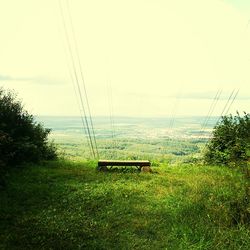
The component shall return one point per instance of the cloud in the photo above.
(34, 80)
(5, 78)
(209, 95)
(205, 95)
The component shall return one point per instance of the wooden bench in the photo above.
(103, 164)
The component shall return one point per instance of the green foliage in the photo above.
(71, 206)
(230, 141)
(21, 138)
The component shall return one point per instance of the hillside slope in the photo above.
(67, 205)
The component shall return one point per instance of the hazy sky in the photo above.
(156, 56)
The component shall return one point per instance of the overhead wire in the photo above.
(210, 112)
(82, 79)
(236, 93)
(111, 116)
(174, 110)
(76, 79)
(79, 106)
(227, 102)
(227, 105)
(89, 123)
(173, 117)
(211, 109)
(75, 90)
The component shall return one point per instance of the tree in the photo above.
(230, 140)
(22, 139)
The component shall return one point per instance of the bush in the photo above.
(22, 139)
(230, 141)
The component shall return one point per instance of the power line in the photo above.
(226, 105)
(211, 109)
(111, 114)
(82, 78)
(232, 101)
(75, 91)
(174, 110)
(76, 77)
(79, 106)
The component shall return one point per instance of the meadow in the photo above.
(69, 205)
(182, 204)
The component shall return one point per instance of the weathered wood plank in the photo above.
(136, 163)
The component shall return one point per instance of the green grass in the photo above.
(69, 205)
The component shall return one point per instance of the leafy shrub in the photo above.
(22, 139)
(230, 141)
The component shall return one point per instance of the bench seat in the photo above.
(111, 163)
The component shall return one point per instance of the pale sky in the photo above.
(153, 55)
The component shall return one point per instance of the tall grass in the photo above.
(67, 205)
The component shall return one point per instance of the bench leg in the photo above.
(138, 167)
(102, 168)
(146, 169)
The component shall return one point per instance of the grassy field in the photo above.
(69, 205)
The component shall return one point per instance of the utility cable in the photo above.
(82, 78)
(211, 109)
(79, 106)
(225, 106)
(232, 101)
(76, 77)
(111, 115)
